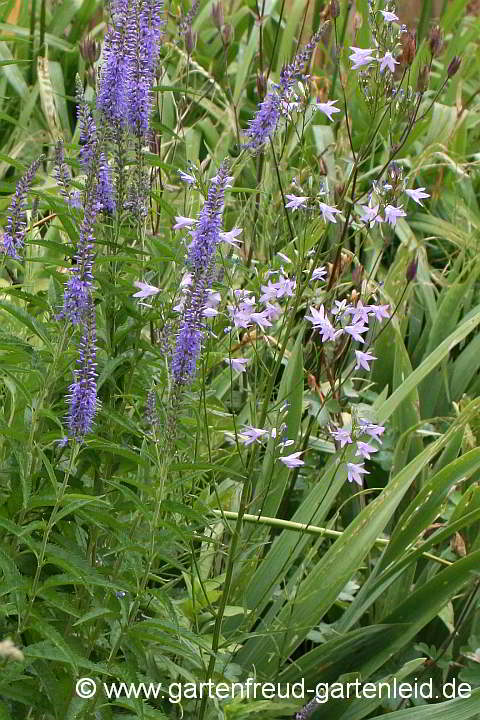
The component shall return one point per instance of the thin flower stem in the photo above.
(292, 235)
(337, 45)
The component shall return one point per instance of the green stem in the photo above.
(31, 49)
(303, 527)
(339, 45)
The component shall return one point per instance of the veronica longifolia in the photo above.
(200, 258)
(129, 60)
(264, 124)
(78, 287)
(14, 235)
(82, 395)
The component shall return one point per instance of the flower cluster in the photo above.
(250, 434)
(301, 202)
(384, 198)
(15, 230)
(364, 429)
(377, 64)
(244, 311)
(347, 319)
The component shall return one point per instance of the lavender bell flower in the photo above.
(206, 237)
(14, 234)
(293, 460)
(82, 395)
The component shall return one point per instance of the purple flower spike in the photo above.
(88, 129)
(201, 253)
(82, 395)
(77, 289)
(186, 23)
(129, 59)
(189, 339)
(151, 417)
(142, 49)
(206, 235)
(62, 172)
(115, 76)
(264, 124)
(14, 235)
(104, 188)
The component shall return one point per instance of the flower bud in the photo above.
(357, 21)
(227, 32)
(91, 77)
(218, 15)
(345, 260)
(409, 48)
(338, 192)
(261, 85)
(89, 50)
(395, 173)
(322, 167)
(454, 65)
(357, 275)
(334, 9)
(423, 77)
(435, 40)
(412, 270)
(190, 40)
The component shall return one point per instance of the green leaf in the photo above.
(342, 654)
(458, 709)
(426, 505)
(430, 362)
(25, 319)
(274, 475)
(11, 71)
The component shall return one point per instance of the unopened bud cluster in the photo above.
(218, 18)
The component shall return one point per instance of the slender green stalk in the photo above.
(31, 49)
(304, 528)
